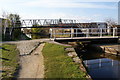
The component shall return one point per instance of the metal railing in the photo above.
(82, 32)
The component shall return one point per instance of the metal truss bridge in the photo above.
(45, 23)
(72, 28)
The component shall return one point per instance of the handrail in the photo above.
(88, 32)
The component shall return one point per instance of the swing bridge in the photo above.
(67, 29)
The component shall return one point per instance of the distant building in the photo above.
(100, 24)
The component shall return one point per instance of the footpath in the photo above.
(31, 58)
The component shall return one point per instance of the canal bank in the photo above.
(99, 65)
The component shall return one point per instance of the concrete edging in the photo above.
(72, 53)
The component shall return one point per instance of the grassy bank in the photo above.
(9, 60)
(58, 64)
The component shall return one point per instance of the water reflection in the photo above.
(103, 68)
(100, 63)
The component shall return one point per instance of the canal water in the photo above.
(102, 65)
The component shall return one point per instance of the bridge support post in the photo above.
(101, 32)
(51, 33)
(113, 32)
(71, 33)
(87, 35)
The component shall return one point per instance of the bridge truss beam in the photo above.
(46, 22)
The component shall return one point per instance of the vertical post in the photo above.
(116, 31)
(50, 33)
(101, 32)
(113, 32)
(87, 35)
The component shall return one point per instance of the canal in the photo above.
(101, 65)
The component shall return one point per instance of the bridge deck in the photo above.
(92, 39)
(108, 37)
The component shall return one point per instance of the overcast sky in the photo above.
(84, 11)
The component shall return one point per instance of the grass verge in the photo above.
(58, 64)
(9, 59)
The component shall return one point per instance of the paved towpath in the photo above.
(32, 65)
(31, 58)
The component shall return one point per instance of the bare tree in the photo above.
(5, 21)
(111, 22)
(11, 20)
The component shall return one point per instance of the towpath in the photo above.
(31, 58)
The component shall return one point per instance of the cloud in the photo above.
(66, 4)
(38, 9)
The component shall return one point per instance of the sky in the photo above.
(82, 10)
